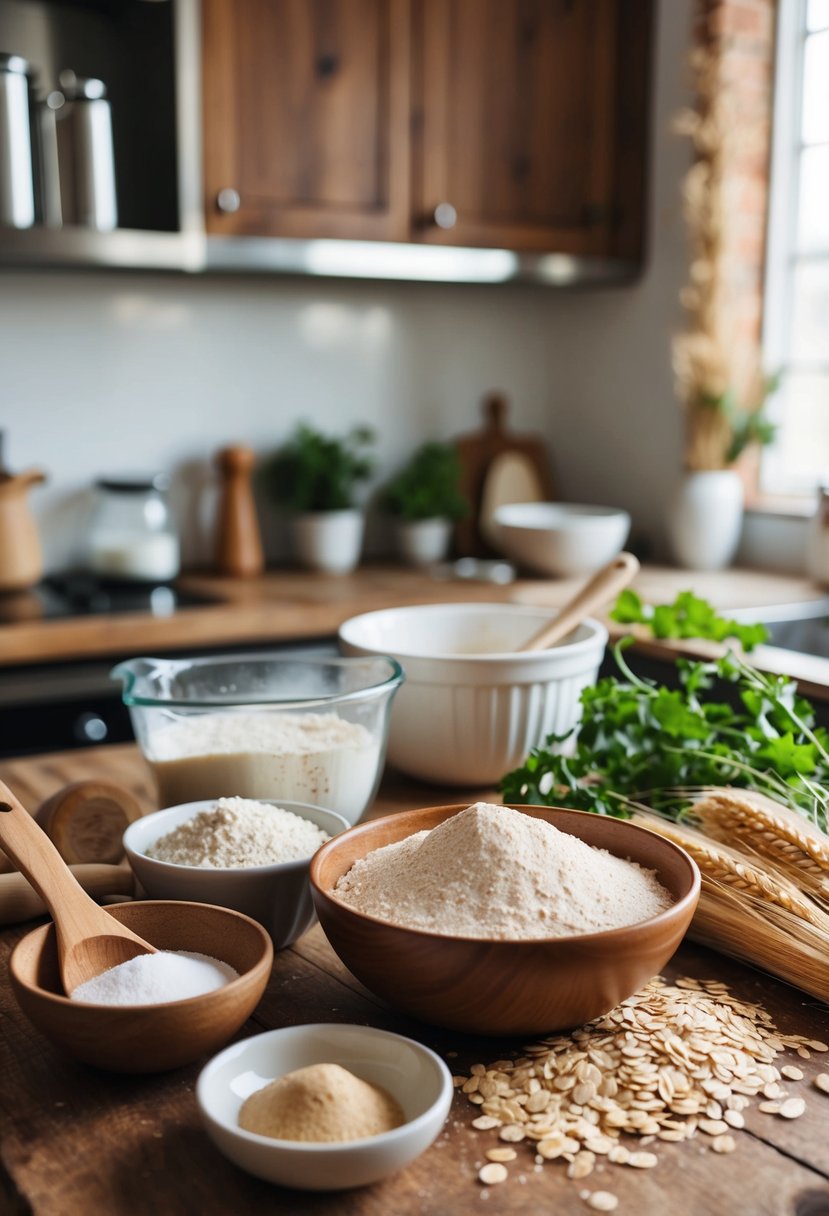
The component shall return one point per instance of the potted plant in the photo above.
(717, 369)
(425, 499)
(315, 477)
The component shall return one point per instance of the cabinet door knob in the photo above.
(445, 215)
(228, 199)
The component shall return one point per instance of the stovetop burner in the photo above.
(74, 594)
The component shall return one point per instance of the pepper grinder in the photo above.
(238, 542)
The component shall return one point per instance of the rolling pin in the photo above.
(86, 821)
(19, 901)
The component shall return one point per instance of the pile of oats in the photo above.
(672, 1062)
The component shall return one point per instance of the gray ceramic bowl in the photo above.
(278, 896)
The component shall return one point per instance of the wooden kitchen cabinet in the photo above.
(523, 123)
(518, 124)
(306, 112)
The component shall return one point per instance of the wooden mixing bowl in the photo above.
(505, 987)
(149, 1038)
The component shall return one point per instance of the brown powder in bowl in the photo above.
(320, 1103)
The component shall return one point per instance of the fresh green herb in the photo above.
(317, 472)
(640, 742)
(427, 486)
(687, 617)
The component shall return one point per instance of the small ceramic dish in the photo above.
(416, 1077)
(278, 896)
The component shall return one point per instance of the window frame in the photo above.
(782, 255)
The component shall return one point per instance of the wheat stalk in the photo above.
(768, 830)
(751, 911)
(766, 936)
(728, 868)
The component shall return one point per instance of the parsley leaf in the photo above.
(640, 742)
(689, 616)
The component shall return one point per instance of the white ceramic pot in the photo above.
(330, 541)
(424, 541)
(705, 519)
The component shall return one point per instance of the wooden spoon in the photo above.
(89, 940)
(603, 586)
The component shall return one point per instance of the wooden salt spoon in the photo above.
(603, 586)
(89, 940)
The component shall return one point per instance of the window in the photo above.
(796, 330)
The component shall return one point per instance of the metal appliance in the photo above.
(85, 153)
(17, 197)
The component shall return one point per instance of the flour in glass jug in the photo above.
(317, 758)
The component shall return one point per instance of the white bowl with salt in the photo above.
(252, 856)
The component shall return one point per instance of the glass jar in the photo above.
(132, 535)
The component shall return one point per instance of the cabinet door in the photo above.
(306, 117)
(530, 118)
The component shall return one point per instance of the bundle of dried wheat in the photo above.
(765, 883)
(709, 364)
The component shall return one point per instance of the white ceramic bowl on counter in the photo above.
(560, 538)
(473, 706)
(278, 895)
(410, 1072)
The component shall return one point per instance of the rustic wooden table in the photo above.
(76, 1141)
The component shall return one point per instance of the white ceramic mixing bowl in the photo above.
(472, 707)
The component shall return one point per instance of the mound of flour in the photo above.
(239, 832)
(492, 872)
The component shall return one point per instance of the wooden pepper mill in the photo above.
(238, 542)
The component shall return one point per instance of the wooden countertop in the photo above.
(289, 605)
(75, 1141)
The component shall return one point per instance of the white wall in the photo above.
(105, 373)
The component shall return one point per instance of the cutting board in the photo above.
(498, 466)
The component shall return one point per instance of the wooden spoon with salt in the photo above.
(89, 940)
(603, 586)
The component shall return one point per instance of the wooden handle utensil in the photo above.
(603, 586)
(89, 940)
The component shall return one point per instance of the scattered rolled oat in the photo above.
(602, 1201)
(492, 1173)
(723, 1144)
(485, 1122)
(643, 1161)
(501, 1154)
(669, 1063)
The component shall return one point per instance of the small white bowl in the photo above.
(278, 896)
(416, 1077)
(473, 706)
(560, 538)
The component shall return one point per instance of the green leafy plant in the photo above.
(318, 472)
(640, 742)
(427, 486)
(688, 616)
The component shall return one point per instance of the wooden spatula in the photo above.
(89, 940)
(603, 586)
